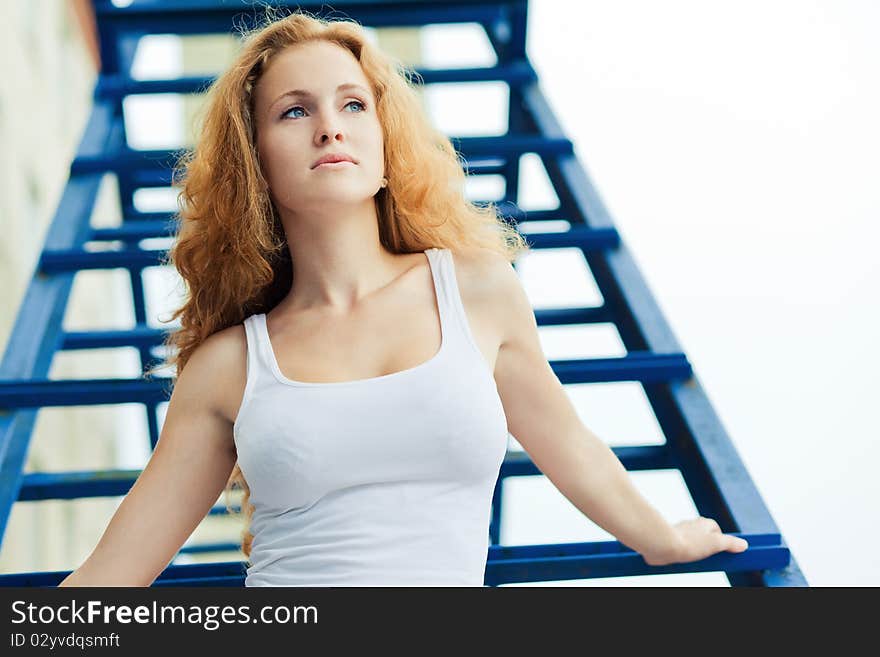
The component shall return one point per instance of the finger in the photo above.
(735, 543)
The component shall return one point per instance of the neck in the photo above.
(338, 259)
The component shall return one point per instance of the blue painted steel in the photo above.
(136, 258)
(134, 230)
(140, 336)
(478, 149)
(504, 564)
(23, 393)
(118, 86)
(101, 483)
(697, 444)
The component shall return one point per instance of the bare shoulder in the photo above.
(217, 370)
(489, 284)
(482, 268)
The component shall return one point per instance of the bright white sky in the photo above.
(736, 149)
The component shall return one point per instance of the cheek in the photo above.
(378, 147)
(373, 135)
(278, 157)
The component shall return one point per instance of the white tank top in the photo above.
(385, 481)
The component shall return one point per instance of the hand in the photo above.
(697, 539)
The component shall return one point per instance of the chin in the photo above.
(337, 197)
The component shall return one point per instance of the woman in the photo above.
(328, 249)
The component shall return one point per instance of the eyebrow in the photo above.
(308, 94)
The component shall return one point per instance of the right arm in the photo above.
(187, 472)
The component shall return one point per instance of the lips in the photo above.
(333, 157)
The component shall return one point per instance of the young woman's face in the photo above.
(325, 117)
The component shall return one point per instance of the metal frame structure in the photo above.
(696, 443)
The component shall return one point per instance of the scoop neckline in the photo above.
(282, 378)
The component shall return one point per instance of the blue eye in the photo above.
(300, 107)
(286, 112)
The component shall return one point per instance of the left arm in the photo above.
(586, 471)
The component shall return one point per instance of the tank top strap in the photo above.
(256, 344)
(449, 298)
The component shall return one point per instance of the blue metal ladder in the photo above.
(696, 443)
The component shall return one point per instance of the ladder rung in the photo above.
(568, 316)
(515, 144)
(52, 261)
(111, 483)
(71, 485)
(532, 563)
(504, 564)
(641, 366)
(145, 337)
(209, 17)
(152, 176)
(472, 148)
(145, 225)
(116, 86)
(587, 239)
(508, 209)
(208, 547)
(164, 224)
(141, 336)
(82, 392)
(633, 457)
(636, 366)
(136, 230)
(516, 214)
(228, 580)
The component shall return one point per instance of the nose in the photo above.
(328, 128)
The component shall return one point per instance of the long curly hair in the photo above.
(230, 247)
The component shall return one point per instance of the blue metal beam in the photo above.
(118, 86)
(209, 17)
(135, 258)
(504, 564)
(33, 393)
(149, 337)
(109, 483)
(478, 149)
